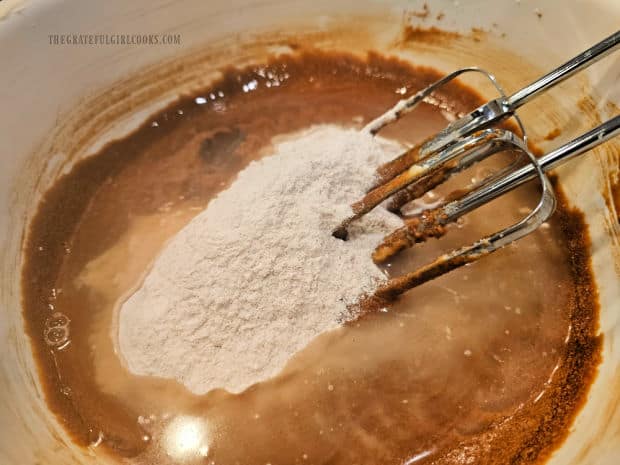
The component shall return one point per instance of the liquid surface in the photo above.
(488, 364)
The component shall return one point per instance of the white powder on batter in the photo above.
(257, 275)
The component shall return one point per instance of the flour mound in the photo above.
(256, 276)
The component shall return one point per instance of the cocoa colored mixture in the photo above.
(490, 363)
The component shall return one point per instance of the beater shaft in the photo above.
(462, 143)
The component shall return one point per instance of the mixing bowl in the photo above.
(60, 102)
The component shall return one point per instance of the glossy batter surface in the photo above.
(489, 363)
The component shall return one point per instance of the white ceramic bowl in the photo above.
(59, 103)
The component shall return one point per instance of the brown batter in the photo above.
(489, 363)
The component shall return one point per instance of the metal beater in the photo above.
(462, 143)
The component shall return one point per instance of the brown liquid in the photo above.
(490, 362)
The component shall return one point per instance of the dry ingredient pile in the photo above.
(257, 275)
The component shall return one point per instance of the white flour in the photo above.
(257, 275)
